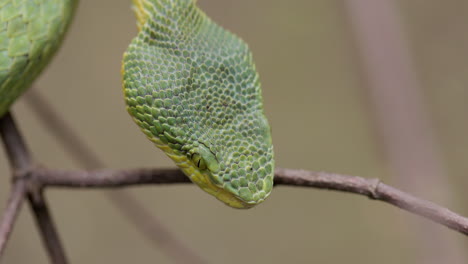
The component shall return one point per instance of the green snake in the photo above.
(190, 85)
(31, 31)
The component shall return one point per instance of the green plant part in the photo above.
(193, 89)
(30, 33)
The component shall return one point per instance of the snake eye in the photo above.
(204, 159)
(198, 160)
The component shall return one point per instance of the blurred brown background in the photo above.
(316, 100)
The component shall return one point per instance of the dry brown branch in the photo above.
(46, 225)
(372, 188)
(11, 212)
(15, 147)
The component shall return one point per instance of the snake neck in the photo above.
(140, 12)
(151, 9)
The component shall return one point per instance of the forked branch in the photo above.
(23, 167)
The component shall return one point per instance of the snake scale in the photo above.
(190, 85)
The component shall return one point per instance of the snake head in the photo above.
(240, 171)
(193, 89)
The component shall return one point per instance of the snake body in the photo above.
(30, 33)
(192, 88)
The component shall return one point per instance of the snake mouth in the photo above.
(237, 193)
(235, 201)
(229, 196)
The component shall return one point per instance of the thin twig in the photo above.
(374, 189)
(371, 188)
(46, 225)
(147, 224)
(108, 178)
(11, 212)
(17, 151)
